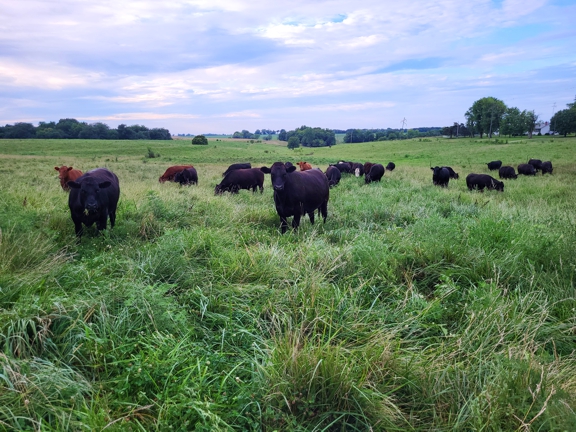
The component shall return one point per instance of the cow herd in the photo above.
(94, 195)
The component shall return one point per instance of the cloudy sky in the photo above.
(216, 66)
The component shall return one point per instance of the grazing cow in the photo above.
(357, 168)
(304, 166)
(546, 167)
(440, 176)
(250, 178)
(481, 181)
(494, 165)
(536, 163)
(453, 174)
(391, 166)
(171, 172)
(333, 175)
(297, 193)
(343, 167)
(507, 172)
(237, 166)
(93, 198)
(526, 169)
(187, 177)
(375, 174)
(66, 174)
(367, 167)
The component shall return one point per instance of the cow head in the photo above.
(498, 185)
(89, 193)
(62, 171)
(278, 172)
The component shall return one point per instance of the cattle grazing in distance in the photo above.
(375, 174)
(367, 167)
(494, 165)
(546, 167)
(298, 193)
(536, 163)
(93, 198)
(237, 166)
(304, 166)
(187, 177)
(250, 178)
(440, 176)
(171, 172)
(481, 181)
(526, 169)
(356, 168)
(343, 167)
(453, 174)
(507, 172)
(66, 174)
(391, 166)
(333, 175)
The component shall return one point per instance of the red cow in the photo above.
(66, 174)
(304, 166)
(171, 172)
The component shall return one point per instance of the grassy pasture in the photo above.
(412, 308)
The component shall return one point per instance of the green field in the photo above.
(413, 308)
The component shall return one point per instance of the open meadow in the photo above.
(413, 307)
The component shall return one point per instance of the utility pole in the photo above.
(552, 131)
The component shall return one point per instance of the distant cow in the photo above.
(367, 167)
(66, 174)
(536, 163)
(298, 193)
(546, 167)
(187, 177)
(171, 172)
(304, 166)
(453, 174)
(343, 167)
(526, 169)
(481, 181)
(236, 166)
(250, 178)
(375, 174)
(333, 175)
(391, 166)
(494, 165)
(440, 176)
(93, 198)
(507, 172)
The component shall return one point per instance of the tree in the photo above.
(485, 115)
(282, 136)
(564, 121)
(513, 122)
(530, 119)
(293, 142)
(200, 140)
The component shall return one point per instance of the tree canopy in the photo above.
(485, 115)
(200, 140)
(310, 137)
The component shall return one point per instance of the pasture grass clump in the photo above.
(413, 308)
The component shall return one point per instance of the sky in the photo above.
(219, 66)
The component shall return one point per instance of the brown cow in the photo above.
(66, 174)
(171, 172)
(304, 166)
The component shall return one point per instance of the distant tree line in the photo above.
(73, 129)
(308, 137)
(369, 135)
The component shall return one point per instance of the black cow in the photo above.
(357, 168)
(375, 174)
(289, 164)
(526, 169)
(453, 174)
(333, 175)
(343, 167)
(367, 166)
(481, 181)
(547, 167)
(507, 172)
(237, 166)
(250, 178)
(93, 198)
(391, 166)
(298, 192)
(494, 165)
(440, 176)
(536, 163)
(187, 177)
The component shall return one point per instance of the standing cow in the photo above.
(251, 178)
(546, 167)
(526, 169)
(536, 163)
(481, 181)
(494, 165)
(237, 166)
(298, 193)
(333, 175)
(304, 166)
(66, 174)
(93, 198)
(187, 177)
(171, 172)
(453, 174)
(507, 172)
(440, 176)
(375, 174)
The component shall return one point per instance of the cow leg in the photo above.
(101, 223)
(261, 188)
(311, 216)
(324, 210)
(78, 229)
(296, 221)
(283, 224)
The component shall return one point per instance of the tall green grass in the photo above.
(412, 308)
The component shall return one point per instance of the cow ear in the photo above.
(432, 168)
(265, 170)
(69, 168)
(74, 185)
(57, 169)
(290, 169)
(104, 185)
